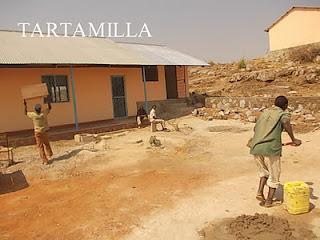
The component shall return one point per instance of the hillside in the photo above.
(291, 72)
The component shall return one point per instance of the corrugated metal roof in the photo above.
(288, 12)
(15, 49)
(162, 55)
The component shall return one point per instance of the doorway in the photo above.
(171, 82)
(119, 97)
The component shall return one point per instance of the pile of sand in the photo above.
(260, 226)
(257, 227)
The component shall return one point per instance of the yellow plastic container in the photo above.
(296, 197)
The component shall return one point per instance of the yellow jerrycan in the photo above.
(296, 197)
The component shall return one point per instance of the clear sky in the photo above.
(218, 30)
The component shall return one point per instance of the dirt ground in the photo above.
(201, 174)
(258, 227)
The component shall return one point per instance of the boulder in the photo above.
(283, 72)
(154, 141)
(266, 76)
(309, 118)
(292, 92)
(317, 59)
(242, 103)
(311, 78)
(236, 77)
(249, 67)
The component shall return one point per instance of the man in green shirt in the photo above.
(266, 146)
(40, 123)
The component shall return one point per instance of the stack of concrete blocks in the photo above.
(84, 138)
(99, 141)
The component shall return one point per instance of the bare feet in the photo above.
(271, 203)
(260, 197)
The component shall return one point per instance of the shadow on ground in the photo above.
(12, 182)
(70, 154)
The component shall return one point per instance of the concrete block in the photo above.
(106, 137)
(77, 138)
(121, 134)
(34, 91)
(84, 138)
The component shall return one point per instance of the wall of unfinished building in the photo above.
(299, 27)
(93, 94)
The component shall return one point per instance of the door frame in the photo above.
(175, 74)
(125, 95)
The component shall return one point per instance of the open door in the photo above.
(171, 82)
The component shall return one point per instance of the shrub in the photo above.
(242, 64)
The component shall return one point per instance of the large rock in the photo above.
(309, 118)
(154, 141)
(242, 103)
(311, 78)
(283, 72)
(317, 59)
(236, 77)
(266, 76)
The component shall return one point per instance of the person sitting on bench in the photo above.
(141, 115)
(153, 118)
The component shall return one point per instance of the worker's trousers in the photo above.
(43, 145)
(269, 167)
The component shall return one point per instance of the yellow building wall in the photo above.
(93, 94)
(300, 27)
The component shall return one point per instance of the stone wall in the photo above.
(162, 105)
(310, 103)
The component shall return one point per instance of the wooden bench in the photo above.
(5, 149)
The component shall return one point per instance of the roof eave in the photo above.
(287, 13)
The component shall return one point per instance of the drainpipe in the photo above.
(74, 99)
(145, 89)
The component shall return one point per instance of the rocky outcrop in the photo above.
(260, 77)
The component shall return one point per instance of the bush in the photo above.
(242, 64)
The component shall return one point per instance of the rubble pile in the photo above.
(287, 74)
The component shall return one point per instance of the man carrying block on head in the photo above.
(40, 122)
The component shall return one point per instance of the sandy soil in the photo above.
(257, 227)
(201, 174)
